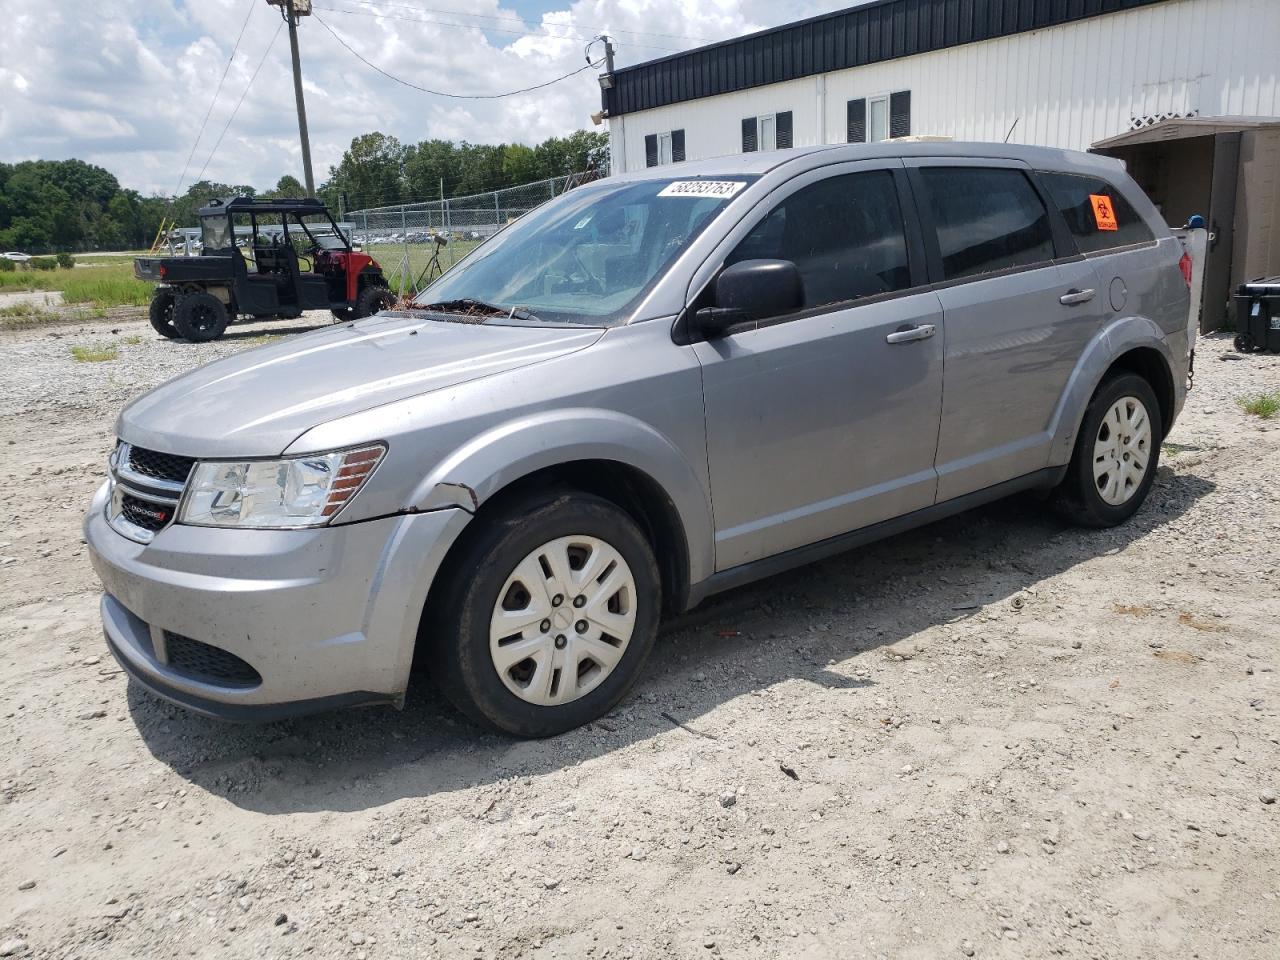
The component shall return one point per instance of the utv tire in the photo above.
(561, 575)
(1116, 454)
(371, 300)
(160, 313)
(200, 317)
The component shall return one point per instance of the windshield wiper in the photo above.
(475, 308)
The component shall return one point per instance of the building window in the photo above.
(882, 117)
(770, 131)
(663, 148)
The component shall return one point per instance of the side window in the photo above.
(987, 219)
(845, 236)
(1097, 214)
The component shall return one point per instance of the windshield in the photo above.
(215, 232)
(588, 256)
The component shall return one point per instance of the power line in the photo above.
(247, 87)
(217, 91)
(441, 93)
(478, 26)
(523, 22)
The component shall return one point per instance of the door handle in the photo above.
(1074, 296)
(922, 332)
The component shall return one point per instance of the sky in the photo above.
(127, 84)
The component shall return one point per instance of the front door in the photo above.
(826, 420)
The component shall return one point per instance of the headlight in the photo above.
(295, 492)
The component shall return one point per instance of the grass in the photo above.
(1264, 405)
(389, 255)
(95, 353)
(22, 315)
(109, 285)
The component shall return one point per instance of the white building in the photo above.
(1066, 73)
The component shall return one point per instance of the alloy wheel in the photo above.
(563, 620)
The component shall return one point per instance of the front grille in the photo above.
(208, 664)
(161, 466)
(144, 513)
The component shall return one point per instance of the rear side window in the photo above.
(987, 220)
(845, 235)
(1097, 214)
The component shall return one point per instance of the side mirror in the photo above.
(752, 290)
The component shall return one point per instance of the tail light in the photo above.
(163, 270)
(1185, 266)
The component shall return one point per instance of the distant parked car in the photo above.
(17, 257)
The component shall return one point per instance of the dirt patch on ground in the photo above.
(964, 741)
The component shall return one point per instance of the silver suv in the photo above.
(653, 388)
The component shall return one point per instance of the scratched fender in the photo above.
(491, 461)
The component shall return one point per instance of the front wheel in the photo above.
(1116, 454)
(371, 300)
(200, 317)
(547, 616)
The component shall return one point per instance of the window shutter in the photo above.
(749, 135)
(677, 146)
(857, 121)
(651, 150)
(784, 130)
(900, 114)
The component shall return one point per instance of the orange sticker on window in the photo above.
(1104, 215)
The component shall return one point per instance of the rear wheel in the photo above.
(200, 317)
(547, 616)
(371, 300)
(1116, 454)
(161, 314)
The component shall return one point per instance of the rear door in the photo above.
(1019, 306)
(826, 420)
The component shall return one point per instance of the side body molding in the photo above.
(1117, 338)
(474, 472)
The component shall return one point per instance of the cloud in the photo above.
(126, 83)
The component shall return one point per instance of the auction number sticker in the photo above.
(702, 188)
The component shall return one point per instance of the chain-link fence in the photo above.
(416, 242)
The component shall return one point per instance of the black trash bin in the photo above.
(1258, 315)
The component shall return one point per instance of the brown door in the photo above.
(1222, 213)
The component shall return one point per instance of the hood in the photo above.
(258, 402)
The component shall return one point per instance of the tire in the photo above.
(1121, 431)
(160, 313)
(1244, 343)
(200, 317)
(487, 575)
(371, 300)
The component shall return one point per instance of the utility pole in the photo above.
(291, 10)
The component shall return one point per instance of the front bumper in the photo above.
(324, 617)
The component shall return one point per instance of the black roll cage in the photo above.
(256, 208)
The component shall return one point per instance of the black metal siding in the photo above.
(872, 33)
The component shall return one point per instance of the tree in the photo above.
(371, 171)
(287, 187)
(427, 166)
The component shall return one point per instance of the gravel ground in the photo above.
(996, 737)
